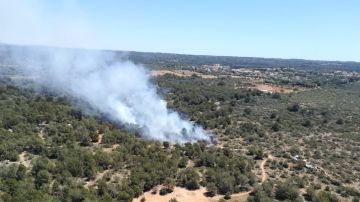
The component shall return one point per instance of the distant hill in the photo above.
(239, 62)
(170, 60)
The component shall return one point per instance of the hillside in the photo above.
(278, 134)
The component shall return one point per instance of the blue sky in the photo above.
(309, 29)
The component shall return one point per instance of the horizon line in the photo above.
(175, 53)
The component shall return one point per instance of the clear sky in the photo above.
(309, 29)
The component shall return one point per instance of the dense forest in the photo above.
(50, 151)
(299, 131)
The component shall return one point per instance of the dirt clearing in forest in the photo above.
(181, 73)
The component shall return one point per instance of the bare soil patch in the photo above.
(181, 73)
(111, 149)
(181, 195)
(99, 140)
(98, 176)
(272, 89)
(24, 160)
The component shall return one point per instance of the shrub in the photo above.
(227, 196)
(294, 107)
(189, 179)
(286, 191)
(211, 189)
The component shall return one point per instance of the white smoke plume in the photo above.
(120, 90)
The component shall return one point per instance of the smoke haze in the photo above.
(119, 89)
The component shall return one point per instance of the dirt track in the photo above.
(98, 176)
(262, 168)
(242, 196)
(100, 139)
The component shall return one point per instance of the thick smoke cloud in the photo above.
(120, 90)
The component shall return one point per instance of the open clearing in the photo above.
(271, 88)
(181, 73)
(255, 84)
(181, 194)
